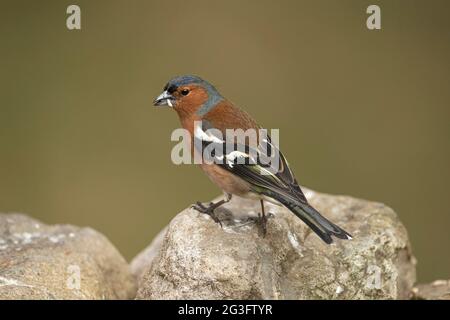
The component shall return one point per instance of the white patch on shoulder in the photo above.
(233, 155)
(202, 135)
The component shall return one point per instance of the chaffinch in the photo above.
(197, 101)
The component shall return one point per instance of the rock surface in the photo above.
(141, 262)
(38, 261)
(198, 259)
(437, 290)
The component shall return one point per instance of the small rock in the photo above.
(197, 259)
(38, 261)
(437, 290)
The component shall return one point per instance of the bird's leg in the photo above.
(263, 219)
(209, 210)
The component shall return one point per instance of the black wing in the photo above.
(264, 167)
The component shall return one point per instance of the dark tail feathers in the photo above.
(318, 223)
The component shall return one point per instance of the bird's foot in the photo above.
(262, 222)
(209, 210)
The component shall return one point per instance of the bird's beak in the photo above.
(164, 99)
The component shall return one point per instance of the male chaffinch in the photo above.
(194, 100)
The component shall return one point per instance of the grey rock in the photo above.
(142, 261)
(39, 261)
(198, 259)
(437, 290)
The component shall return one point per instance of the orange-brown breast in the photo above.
(225, 180)
(224, 116)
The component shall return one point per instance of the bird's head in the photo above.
(189, 94)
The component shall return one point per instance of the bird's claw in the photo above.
(262, 222)
(200, 207)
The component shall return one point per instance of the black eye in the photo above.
(185, 92)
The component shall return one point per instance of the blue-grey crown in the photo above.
(184, 80)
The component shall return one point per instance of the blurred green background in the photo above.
(360, 112)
